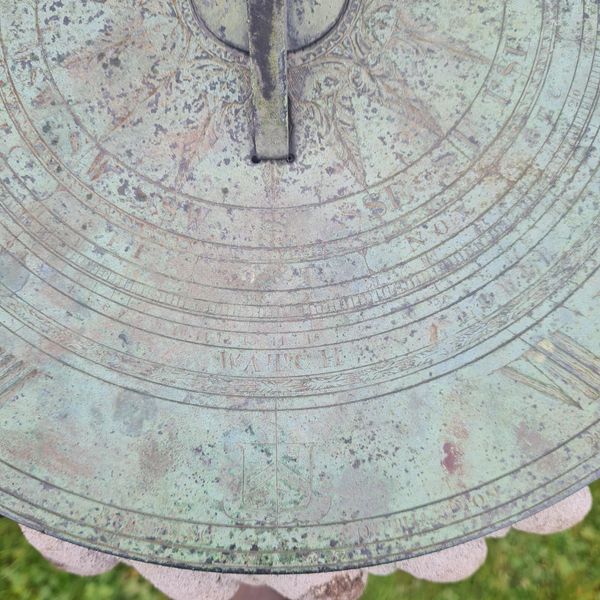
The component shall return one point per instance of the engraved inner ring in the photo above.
(308, 21)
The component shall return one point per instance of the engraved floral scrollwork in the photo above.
(365, 68)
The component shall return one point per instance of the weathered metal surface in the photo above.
(268, 38)
(387, 347)
(308, 21)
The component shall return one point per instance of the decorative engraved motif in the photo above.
(364, 66)
(276, 485)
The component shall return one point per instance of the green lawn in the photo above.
(521, 566)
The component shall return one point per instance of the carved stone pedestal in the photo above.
(447, 566)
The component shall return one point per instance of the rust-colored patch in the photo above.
(341, 587)
(434, 333)
(48, 451)
(530, 440)
(453, 456)
(156, 460)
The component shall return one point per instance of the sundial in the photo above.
(288, 288)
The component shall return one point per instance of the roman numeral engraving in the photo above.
(560, 368)
(14, 374)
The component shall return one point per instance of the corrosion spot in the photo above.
(452, 461)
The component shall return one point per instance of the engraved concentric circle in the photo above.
(387, 347)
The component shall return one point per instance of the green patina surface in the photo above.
(386, 347)
(268, 43)
(521, 566)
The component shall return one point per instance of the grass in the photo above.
(519, 567)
